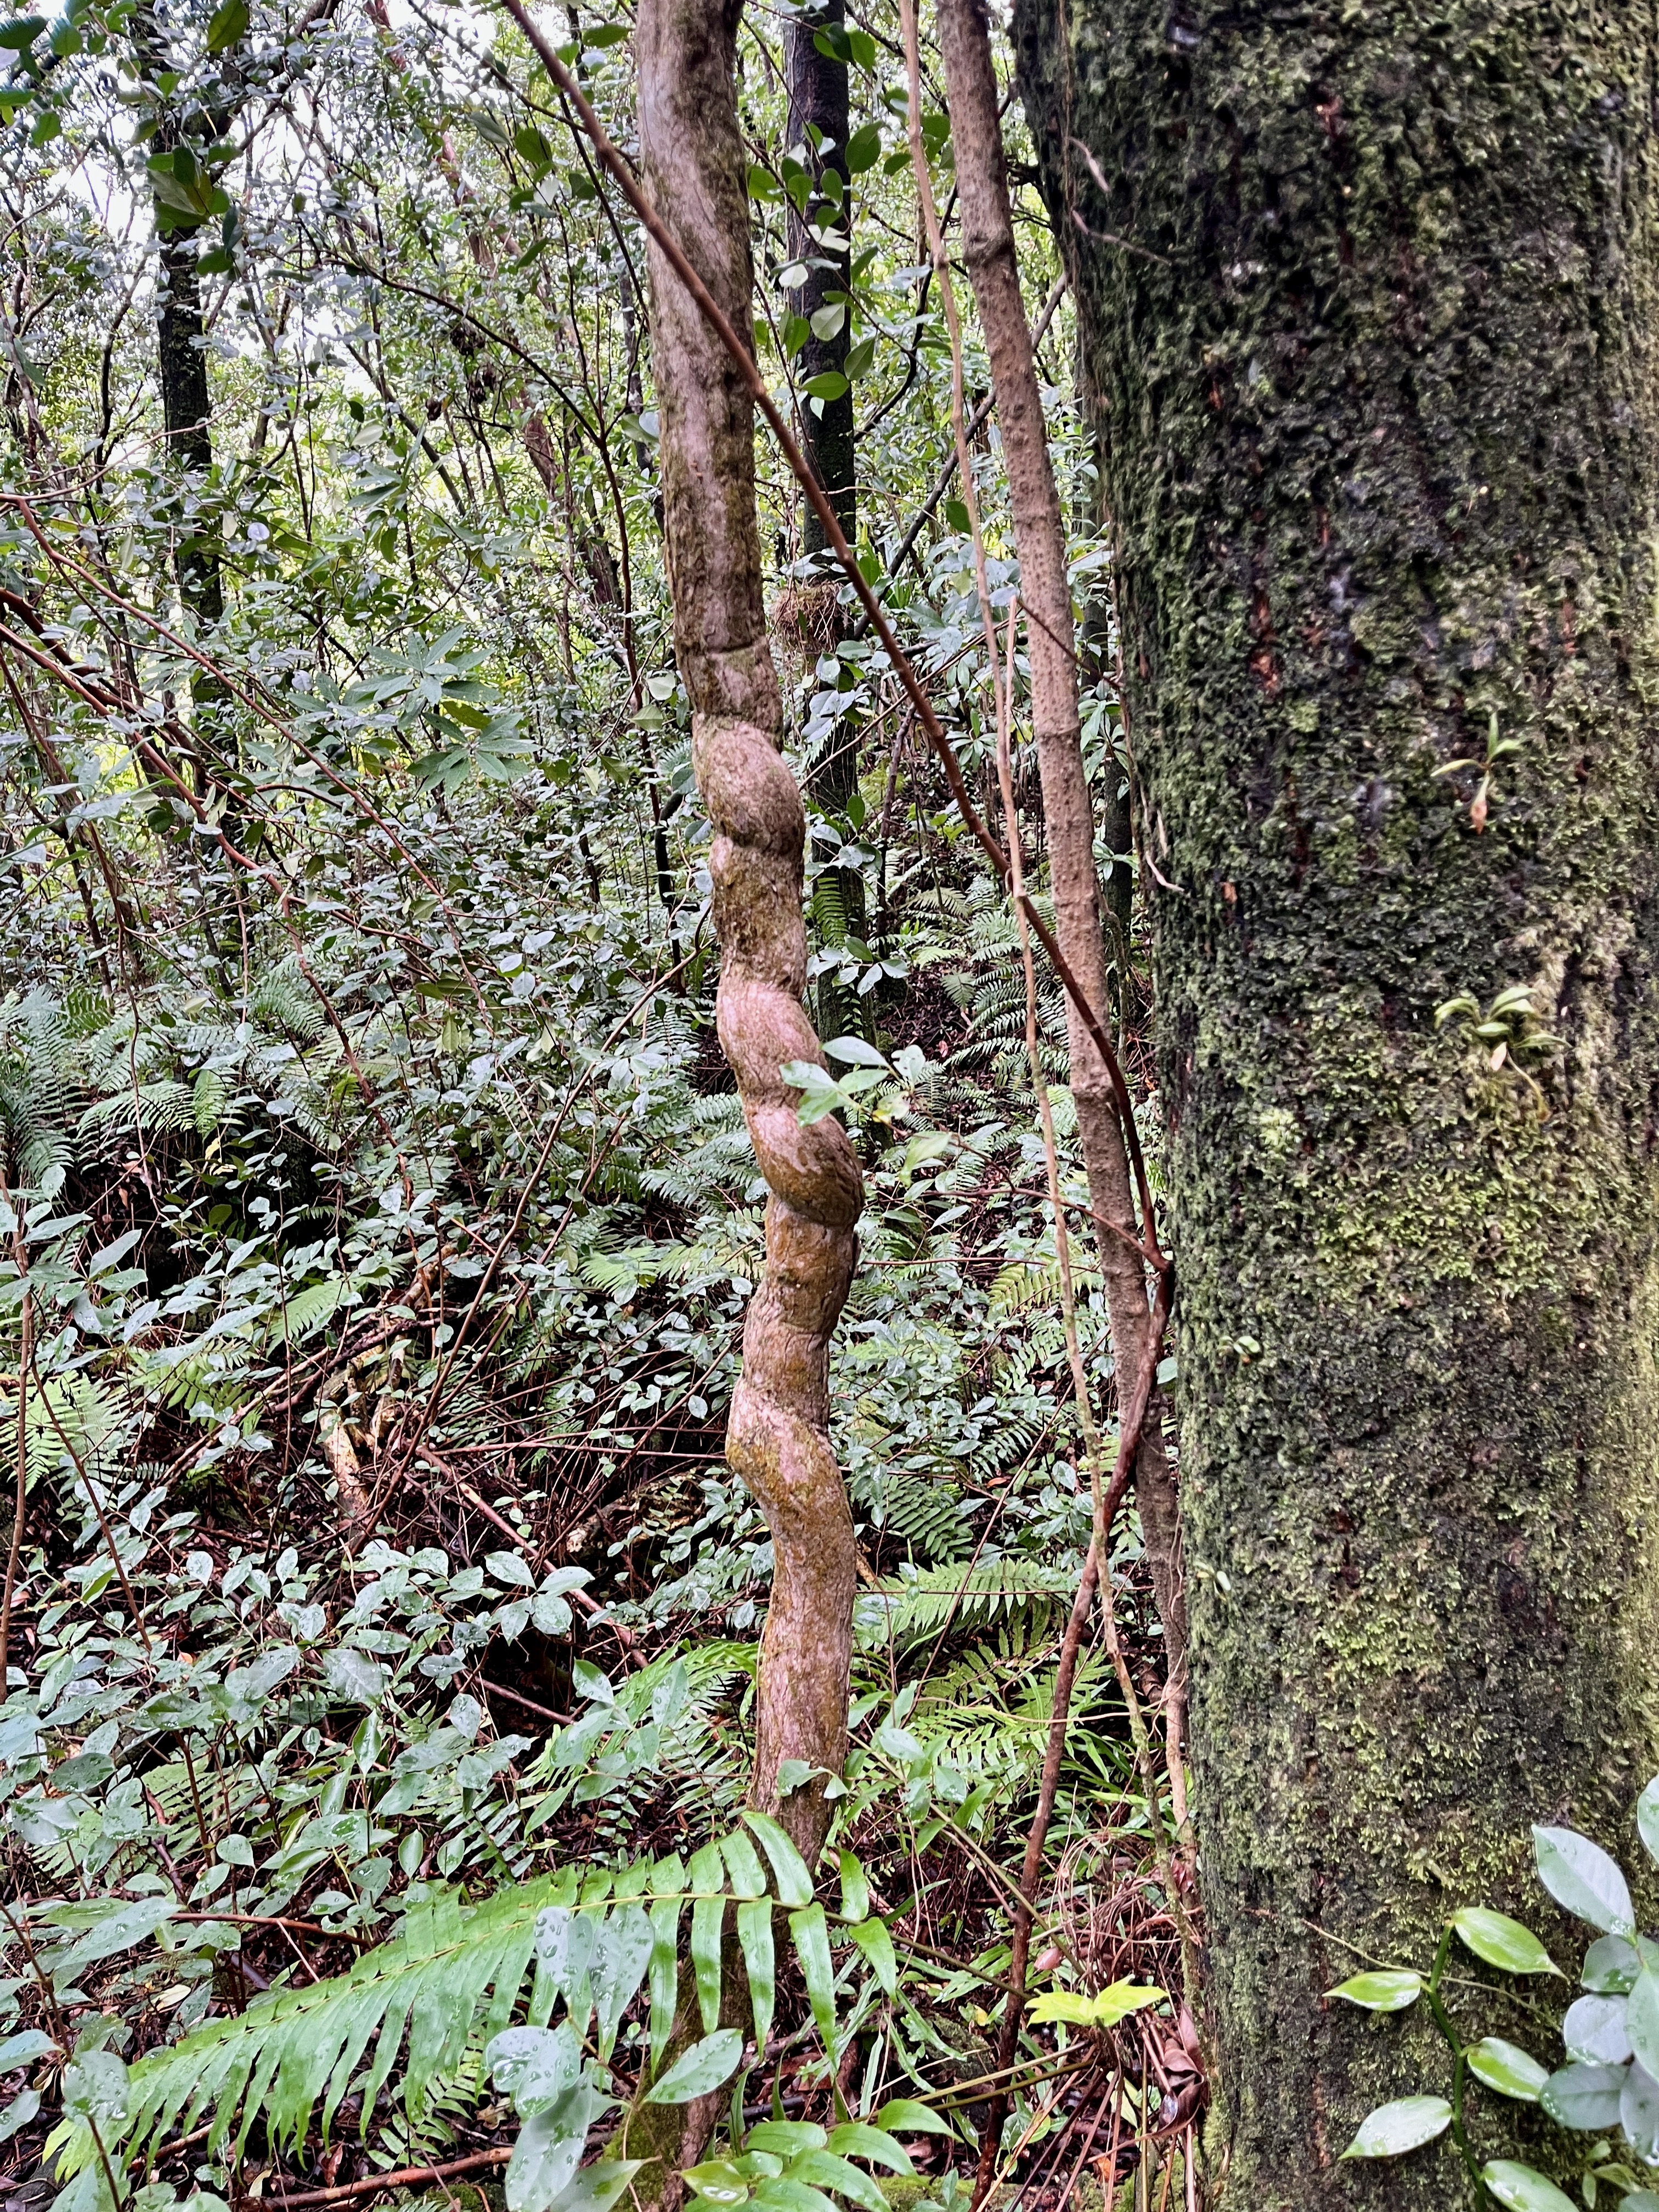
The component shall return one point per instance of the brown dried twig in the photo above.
(405, 2177)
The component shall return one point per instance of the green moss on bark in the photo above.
(1372, 355)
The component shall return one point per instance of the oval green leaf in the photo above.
(717, 2181)
(1611, 1965)
(96, 2087)
(1647, 1818)
(855, 2139)
(597, 2187)
(1584, 1880)
(787, 2195)
(1405, 2125)
(822, 2169)
(864, 149)
(1596, 2031)
(18, 2114)
(1388, 1990)
(1585, 2097)
(786, 2138)
(903, 2116)
(1501, 1941)
(1509, 2070)
(1641, 2019)
(1638, 2113)
(228, 26)
(23, 2050)
(1518, 2189)
(706, 2066)
(550, 2150)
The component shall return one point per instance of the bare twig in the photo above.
(976, 421)
(1132, 1421)
(518, 1698)
(405, 2177)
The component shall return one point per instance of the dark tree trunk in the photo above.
(818, 122)
(1368, 302)
(186, 416)
(187, 398)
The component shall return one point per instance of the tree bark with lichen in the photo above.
(1368, 310)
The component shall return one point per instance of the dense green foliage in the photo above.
(380, 1201)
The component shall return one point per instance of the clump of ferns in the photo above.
(40, 1095)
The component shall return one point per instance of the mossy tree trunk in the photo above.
(1368, 305)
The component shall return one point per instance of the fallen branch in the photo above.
(405, 2177)
(517, 1698)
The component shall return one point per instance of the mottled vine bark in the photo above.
(987, 241)
(1368, 305)
(777, 1439)
(694, 168)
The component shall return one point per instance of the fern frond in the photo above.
(830, 907)
(282, 1000)
(208, 1096)
(451, 1981)
(968, 1712)
(929, 1516)
(1022, 1284)
(292, 2048)
(309, 1308)
(162, 1104)
(922, 1603)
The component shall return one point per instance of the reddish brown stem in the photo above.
(1133, 1421)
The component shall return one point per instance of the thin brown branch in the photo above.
(405, 2176)
(1132, 1422)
